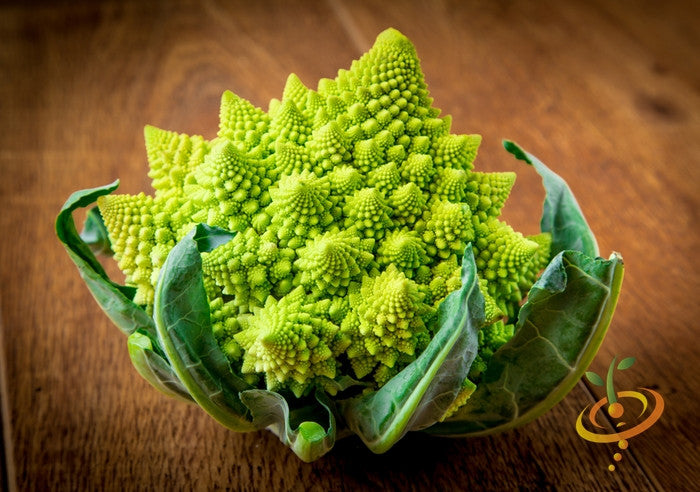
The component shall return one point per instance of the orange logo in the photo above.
(643, 411)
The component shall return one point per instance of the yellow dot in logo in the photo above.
(617, 456)
(611, 467)
(622, 444)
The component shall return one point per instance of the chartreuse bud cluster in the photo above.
(352, 205)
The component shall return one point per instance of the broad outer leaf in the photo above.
(561, 216)
(115, 300)
(154, 368)
(181, 313)
(309, 439)
(560, 329)
(420, 394)
(95, 234)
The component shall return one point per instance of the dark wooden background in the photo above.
(606, 93)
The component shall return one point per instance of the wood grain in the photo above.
(607, 93)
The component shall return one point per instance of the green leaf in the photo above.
(594, 378)
(209, 237)
(181, 313)
(95, 234)
(114, 299)
(626, 363)
(154, 368)
(420, 394)
(560, 329)
(302, 430)
(561, 216)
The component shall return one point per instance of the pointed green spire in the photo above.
(139, 241)
(171, 157)
(385, 178)
(367, 155)
(486, 193)
(449, 185)
(249, 268)
(291, 158)
(368, 213)
(345, 180)
(329, 147)
(296, 92)
(456, 151)
(404, 249)
(448, 229)
(418, 169)
(230, 188)
(289, 124)
(289, 344)
(328, 263)
(386, 328)
(241, 122)
(501, 254)
(300, 208)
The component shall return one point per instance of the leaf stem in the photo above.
(610, 390)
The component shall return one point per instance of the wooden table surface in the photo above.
(606, 93)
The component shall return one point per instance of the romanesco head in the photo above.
(353, 204)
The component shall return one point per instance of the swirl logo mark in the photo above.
(631, 412)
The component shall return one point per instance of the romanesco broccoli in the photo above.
(353, 204)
